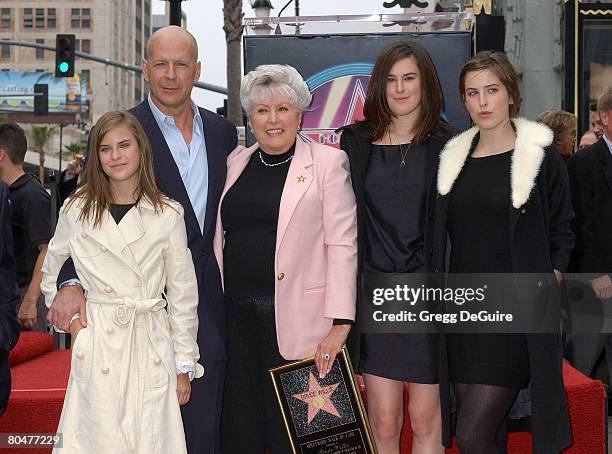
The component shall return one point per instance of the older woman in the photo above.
(286, 241)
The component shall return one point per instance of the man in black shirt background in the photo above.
(30, 211)
(9, 327)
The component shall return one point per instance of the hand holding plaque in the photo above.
(328, 348)
(323, 415)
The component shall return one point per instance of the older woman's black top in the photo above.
(250, 217)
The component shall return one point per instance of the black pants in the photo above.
(251, 420)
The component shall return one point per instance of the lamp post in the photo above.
(175, 12)
(261, 7)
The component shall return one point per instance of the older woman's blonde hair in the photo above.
(266, 81)
(560, 121)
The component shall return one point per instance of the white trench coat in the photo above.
(121, 395)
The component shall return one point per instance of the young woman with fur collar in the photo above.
(504, 203)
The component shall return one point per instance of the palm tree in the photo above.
(75, 148)
(41, 136)
(232, 26)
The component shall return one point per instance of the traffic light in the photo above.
(64, 55)
(41, 99)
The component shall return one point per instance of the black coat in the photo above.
(354, 142)
(590, 173)
(541, 240)
(9, 326)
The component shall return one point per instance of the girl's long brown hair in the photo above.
(376, 109)
(94, 192)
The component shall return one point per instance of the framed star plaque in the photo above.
(323, 416)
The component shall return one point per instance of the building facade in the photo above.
(115, 29)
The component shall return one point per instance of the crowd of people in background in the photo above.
(176, 248)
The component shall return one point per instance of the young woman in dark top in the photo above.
(505, 205)
(394, 158)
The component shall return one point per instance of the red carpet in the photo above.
(40, 377)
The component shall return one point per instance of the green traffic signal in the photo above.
(64, 55)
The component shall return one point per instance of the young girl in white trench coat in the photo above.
(131, 365)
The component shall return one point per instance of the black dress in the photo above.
(395, 198)
(478, 228)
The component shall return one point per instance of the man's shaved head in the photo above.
(177, 35)
(171, 68)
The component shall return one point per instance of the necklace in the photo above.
(267, 164)
(403, 153)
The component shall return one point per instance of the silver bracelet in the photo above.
(70, 284)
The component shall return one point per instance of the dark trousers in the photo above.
(202, 415)
(251, 420)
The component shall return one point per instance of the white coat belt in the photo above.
(160, 342)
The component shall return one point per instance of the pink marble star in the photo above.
(317, 398)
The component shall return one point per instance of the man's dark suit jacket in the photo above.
(201, 416)
(590, 172)
(9, 326)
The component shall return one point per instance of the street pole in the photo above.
(175, 12)
(61, 125)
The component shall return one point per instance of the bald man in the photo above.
(190, 146)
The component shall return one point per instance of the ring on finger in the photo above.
(326, 356)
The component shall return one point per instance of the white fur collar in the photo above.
(531, 139)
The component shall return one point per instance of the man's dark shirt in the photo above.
(9, 326)
(30, 223)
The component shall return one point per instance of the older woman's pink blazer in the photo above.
(316, 245)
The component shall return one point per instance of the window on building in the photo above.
(85, 18)
(86, 46)
(51, 18)
(6, 51)
(39, 70)
(40, 18)
(147, 32)
(147, 8)
(138, 24)
(77, 45)
(75, 18)
(6, 17)
(40, 53)
(27, 18)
